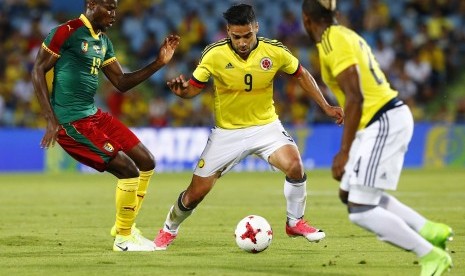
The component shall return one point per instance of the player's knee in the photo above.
(142, 157)
(385, 200)
(295, 169)
(297, 181)
(356, 213)
(147, 163)
(122, 166)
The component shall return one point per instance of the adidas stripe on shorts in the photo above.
(377, 155)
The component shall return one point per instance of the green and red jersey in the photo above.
(81, 53)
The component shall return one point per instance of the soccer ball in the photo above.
(253, 234)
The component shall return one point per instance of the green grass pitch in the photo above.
(59, 225)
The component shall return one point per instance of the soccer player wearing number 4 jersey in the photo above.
(377, 130)
(75, 52)
(243, 68)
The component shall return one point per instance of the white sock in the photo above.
(410, 216)
(295, 192)
(391, 228)
(177, 214)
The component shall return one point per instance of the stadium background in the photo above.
(420, 44)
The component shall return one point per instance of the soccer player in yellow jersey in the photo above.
(243, 67)
(377, 130)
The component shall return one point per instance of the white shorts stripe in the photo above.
(377, 151)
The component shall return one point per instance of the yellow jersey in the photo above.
(243, 89)
(340, 48)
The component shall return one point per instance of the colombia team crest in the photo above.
(266, 63)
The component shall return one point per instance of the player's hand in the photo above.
(339, 163)
(336, 113)
(51, 133)
(167, 49)
(178, 86)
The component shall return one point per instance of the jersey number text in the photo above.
(370, 63)
(248, 82)
(96, 62)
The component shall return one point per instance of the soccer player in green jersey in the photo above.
(76, 51)
(378, 128)
(243, 67)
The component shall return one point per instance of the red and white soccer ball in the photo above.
(253, 234)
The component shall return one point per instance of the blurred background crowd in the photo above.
(420, 45)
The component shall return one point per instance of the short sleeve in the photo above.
(290, 64)
(109, 52)
(342, 55)
(203, 71)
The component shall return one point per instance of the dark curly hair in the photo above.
(317, 12)
(240, 14)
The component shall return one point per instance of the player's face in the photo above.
(307, 22)
(243, 38)
(104, 14)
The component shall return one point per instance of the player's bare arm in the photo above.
(182, 88)
(349, 81)
(125, 81)
(308, 83)
(44, 62)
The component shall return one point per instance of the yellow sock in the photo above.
(126, 204)
(144, 180)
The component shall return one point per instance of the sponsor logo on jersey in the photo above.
(201, 163)
(84, 46)
(108, 147)
(229, 66)
(266, 63)
(97, 49)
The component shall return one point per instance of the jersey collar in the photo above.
(86, 22)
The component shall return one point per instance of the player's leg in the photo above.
(280, 150)
(86, 142)
(364, 211)
(127, 237)
(134, 149)
(80, 139)
(126, 191)
(387, 226)
(183, 208)
(375, 167)
(145, 162)
(188, 201)
(224, 149)
(391, 228)
(140, 156)
(287, 159)
(144, 180)
(434, 232)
